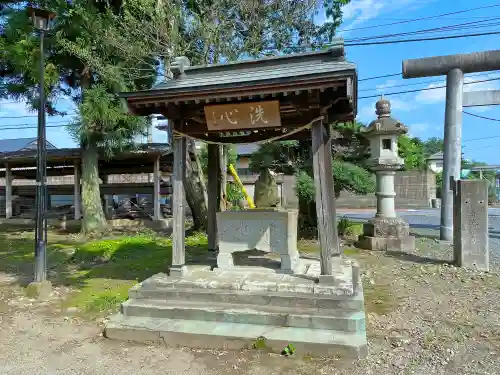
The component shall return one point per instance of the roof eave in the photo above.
(349, 71)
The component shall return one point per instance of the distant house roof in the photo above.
(436, 156)
(245, 150)
(20, 144)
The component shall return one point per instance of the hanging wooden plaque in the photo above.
(238, 116)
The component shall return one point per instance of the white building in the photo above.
(435, 162)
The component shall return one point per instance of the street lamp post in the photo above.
(41, 22)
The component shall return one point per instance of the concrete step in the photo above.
(235, 336)
(299, 317)
(239, 297)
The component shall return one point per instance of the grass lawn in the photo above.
(101, 271)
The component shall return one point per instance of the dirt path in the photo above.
(423, 317)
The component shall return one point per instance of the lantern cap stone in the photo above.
(383, 107)
(384, 124)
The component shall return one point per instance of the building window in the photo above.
(386, 144)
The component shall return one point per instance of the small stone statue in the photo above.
(179, 65)
(266, 190)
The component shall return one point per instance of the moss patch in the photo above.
(97, 296)
(312, 247)
(379, 299)
(100, 272)
(109, 268)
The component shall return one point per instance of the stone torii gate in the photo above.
(454, 67)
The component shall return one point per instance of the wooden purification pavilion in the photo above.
(286, 97)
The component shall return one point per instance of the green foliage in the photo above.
(348, 143)
(350, 177)
(433, 145)
(260, 343)
(343, 225)
(96, 47)
(439, 184)
(234, 195)
(347, 227)
(304, 187)
(101, 271)
(281, 157)
(490, 176)
(346, 176)
(289, 350)
(86, 47)
(102, 123)
(412, 151)
(229, 149)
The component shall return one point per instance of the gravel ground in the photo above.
(423, 317)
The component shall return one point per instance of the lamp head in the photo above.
(41, 18)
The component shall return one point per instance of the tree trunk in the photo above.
(195, 193)
(94, 219)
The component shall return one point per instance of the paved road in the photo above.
(427, 222)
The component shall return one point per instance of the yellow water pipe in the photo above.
(243, 190)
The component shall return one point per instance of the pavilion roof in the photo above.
(281, 69)
(306, 85)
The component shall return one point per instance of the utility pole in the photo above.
(454, 67)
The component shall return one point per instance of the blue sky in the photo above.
(422, 112)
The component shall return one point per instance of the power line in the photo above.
(426, 89)
(30, 116)
(377, 77)
(480, 148)
(482, 117)
(369, 19)
(421, 18)
(355, 42)
(422, 82)
(30, 127)
(469, 25)
(420, 39)
(481, 139)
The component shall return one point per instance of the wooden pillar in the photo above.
(77, 196)
(8, 192)
(213, 194)
(325, 196)
(223, 178)
(156, 190)
(109, 206)
(178, 249)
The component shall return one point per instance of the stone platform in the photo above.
(382, 233)
(219, 309)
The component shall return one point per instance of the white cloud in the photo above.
(387, 84)
(367, 113)
(439, 95)
(11, 108)
(430, 96)
(360, 11)
(418, 129)
(401, 105)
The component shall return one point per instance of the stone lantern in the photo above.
(385, 230)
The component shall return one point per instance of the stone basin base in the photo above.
(266, 230)
(234, 310)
